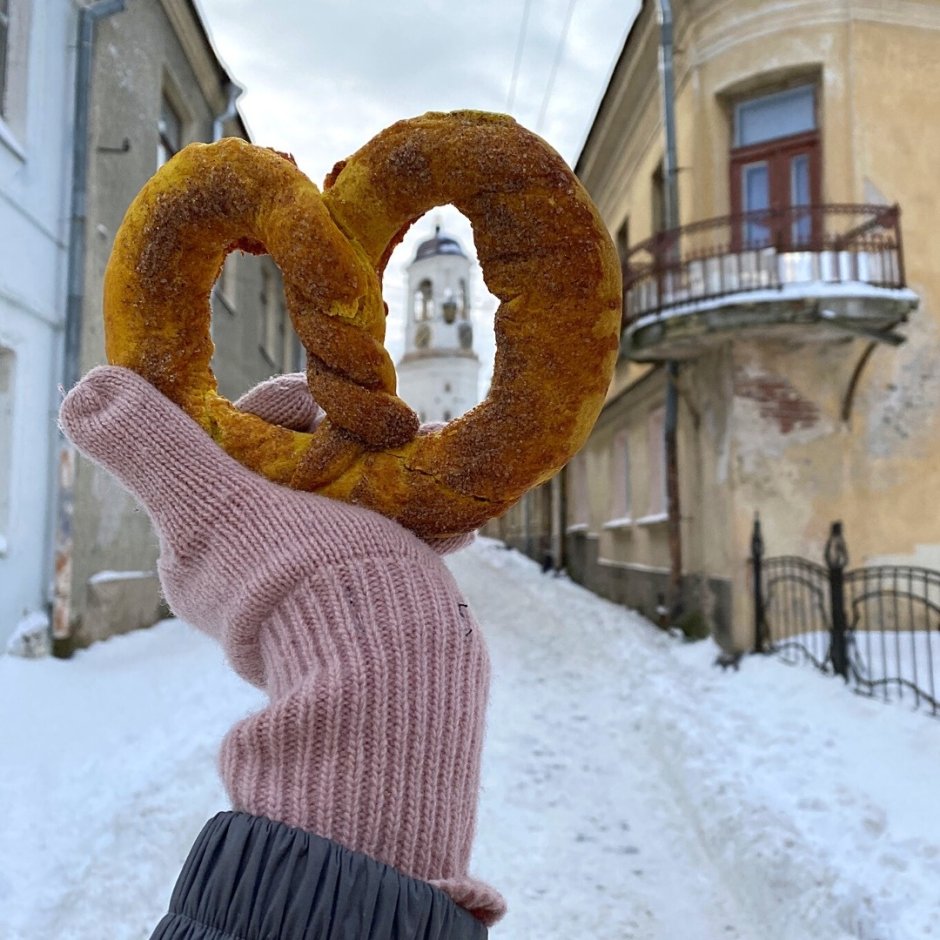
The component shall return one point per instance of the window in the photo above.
(169, 131)
(424, 301)
(228, 280)
(300, 357)
(623, 240)
(4, 43)
(15, 20)
(620, 496)
(464, 300)
(7, 363)
(770, 117)
(579, 510)
(775, 169)
(656, 499)
(272, 319)
(291, 347)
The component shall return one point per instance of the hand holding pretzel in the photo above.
(545, 254)
(374, 668)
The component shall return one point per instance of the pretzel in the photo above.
(545, 254)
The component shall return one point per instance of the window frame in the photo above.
(424, 301)
(579, 501)
(166, 147)
(620, 491)
(14, 91)
(272, 341)
(657, 497)
(778, 153)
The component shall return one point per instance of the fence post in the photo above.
(837, 557)
(757, 553)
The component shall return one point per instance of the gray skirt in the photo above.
(248, 878)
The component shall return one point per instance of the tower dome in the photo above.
(439, 245)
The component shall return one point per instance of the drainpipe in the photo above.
(671, 199)
(88, 18)
(234, 92)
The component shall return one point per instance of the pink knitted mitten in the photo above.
(375, 668)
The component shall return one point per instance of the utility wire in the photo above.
(558, 56)
(520, 45)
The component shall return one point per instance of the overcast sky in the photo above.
(322, 77)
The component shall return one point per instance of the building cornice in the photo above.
(422, 355)
(706, 31)
(197, 46)
(722, 26)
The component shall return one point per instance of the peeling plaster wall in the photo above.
(141, 54)
(137, 55)
(761, 426)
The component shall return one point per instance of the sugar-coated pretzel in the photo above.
(545, 254)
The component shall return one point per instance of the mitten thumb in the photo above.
(162, 457)
(284, 400)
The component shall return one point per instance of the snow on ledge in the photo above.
(806, 290)
(102, 577)
(654, 518)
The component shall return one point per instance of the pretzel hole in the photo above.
(440, 325)
(250, 289)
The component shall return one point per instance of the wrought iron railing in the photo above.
(765, 250)
(877, 627)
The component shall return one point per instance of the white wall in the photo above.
(35, 150)
(439, 387)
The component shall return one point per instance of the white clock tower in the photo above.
(438, 374)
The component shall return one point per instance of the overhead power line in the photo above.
(520, 45)
(560, 51)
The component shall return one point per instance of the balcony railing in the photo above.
(766, 250)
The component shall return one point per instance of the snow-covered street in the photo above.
(631, 789)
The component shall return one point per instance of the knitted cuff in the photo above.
(377, 675)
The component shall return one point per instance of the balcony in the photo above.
(807, 273)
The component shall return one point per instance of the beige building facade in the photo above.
(799, 299)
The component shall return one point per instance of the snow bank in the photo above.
(814, 807)
(31, 638)
(108, 773)
(630, 788)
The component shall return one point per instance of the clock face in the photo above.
(423, 335)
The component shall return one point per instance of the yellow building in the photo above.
(803, 331)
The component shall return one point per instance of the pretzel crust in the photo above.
(545, 254)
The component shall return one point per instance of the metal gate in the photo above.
(877, 627)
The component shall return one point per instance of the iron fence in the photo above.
(878, 627)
